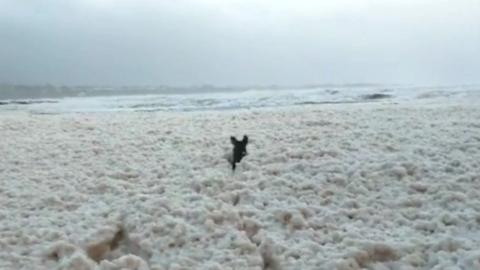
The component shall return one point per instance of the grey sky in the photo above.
(239, 42)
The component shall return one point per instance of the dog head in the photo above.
(239, 148)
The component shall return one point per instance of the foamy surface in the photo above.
(377, 186)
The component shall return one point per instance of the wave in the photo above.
(245, 99)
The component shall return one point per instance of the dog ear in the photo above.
(245, 139)
(233, 140)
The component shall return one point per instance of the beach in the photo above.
(335, 186)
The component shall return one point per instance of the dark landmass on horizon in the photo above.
(50, 91)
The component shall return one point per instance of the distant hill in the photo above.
(11, 91)
(8, 91)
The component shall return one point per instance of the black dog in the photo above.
(239, 150)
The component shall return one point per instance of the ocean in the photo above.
(239, 99)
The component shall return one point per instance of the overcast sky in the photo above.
(239, 42)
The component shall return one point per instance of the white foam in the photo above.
(354, 186)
